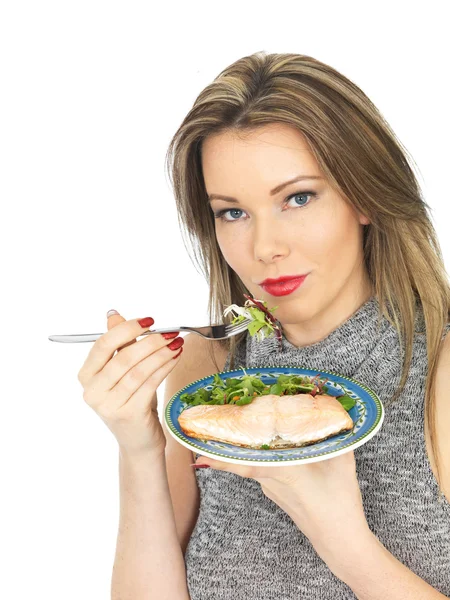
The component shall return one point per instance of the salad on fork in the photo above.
(262, 325)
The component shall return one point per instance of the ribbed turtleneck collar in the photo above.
(342, 350)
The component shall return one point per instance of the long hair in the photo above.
(401, 251)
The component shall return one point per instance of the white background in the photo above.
(91, 94)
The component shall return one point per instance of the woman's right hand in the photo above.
(121, 388)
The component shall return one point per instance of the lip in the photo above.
(283, 285)
(270, 281)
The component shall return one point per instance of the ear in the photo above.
(364, 220)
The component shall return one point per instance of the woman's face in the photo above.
(304, 228)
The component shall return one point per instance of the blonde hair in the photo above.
(401, 250)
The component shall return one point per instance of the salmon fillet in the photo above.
(278, 421)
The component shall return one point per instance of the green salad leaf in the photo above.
(262, 325)
(347, 402)
(242, 391)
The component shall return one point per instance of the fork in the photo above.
(209, 332)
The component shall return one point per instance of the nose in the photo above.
(268, 244)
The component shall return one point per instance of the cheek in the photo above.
(231, 245)
(337, 240)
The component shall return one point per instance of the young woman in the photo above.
(283, 167)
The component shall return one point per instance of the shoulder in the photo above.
(443, 412)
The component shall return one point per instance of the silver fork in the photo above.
(210, 332)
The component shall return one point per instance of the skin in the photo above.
(270, 236)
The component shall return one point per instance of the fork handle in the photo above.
(91, 337)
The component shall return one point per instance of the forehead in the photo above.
(276, 148)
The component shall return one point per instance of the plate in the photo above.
(367, 416)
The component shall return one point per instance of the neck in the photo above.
(330, 317)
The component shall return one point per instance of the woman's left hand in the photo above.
(322, 498)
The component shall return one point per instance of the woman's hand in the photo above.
(322, 498)
(121, 388)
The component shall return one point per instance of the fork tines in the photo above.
(237, 327)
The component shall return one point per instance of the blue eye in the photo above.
(220, 214)
(299, 195)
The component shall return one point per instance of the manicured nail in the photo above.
(111, 312)
(147, 322)
(170, 335)
(177, 343)
(198, 466)
(178, 354)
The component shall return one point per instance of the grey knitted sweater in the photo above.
(245, 547)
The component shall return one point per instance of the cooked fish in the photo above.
(278, 421)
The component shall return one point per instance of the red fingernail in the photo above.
(178, 353)
(200, 466)
(170, 335)
(147, 322)
(177, 343)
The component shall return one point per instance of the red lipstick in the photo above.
(282, 286)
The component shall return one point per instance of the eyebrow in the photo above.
(272, 192)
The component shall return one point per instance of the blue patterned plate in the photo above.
(367, 415)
